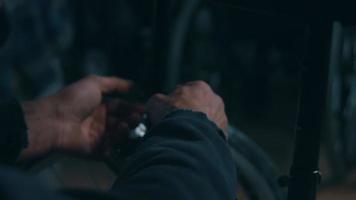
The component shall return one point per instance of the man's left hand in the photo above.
(77, 120)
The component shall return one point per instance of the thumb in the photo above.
(112, 84)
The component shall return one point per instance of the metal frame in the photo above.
(304, 173)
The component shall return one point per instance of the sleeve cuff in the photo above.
(195, 116)
(13, 131)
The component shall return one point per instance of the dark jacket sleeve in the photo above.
(184, 157)
(13, 132)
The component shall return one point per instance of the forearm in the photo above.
(184, 157)
(27, 131)
(41, 128)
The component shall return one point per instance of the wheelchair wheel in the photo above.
(257, 175)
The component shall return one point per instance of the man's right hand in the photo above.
(195, 96)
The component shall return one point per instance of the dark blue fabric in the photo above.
(13, 131)
(184, 157)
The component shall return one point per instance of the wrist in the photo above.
(41, 122)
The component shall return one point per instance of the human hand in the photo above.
(77, 120)
(195, 96)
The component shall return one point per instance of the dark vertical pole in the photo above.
(304, 173)
(161, 31)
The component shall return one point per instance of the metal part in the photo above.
(141, 130)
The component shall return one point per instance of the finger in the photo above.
(112, 84)
(118, 135)
(133, 120)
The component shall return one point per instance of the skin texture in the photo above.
(195, 96)
(77, 120)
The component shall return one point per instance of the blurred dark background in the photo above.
(250, 56)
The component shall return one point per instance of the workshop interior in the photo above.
(255, 54)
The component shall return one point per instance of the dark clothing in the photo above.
(13, 135)
(184, 157)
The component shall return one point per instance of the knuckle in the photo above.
(201, 83)
(182, 90)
